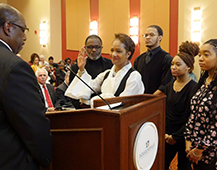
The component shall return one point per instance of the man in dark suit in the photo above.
(46, 90)
(95, 63)
(25, 140)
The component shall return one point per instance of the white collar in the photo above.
(125, 68)
(6, 45)
(41, 85)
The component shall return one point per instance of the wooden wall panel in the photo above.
(77, 23)
(71, 142)
(113, 19)
(155, 12)
(106, 26)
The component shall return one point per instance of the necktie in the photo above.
(148, 57)
(49, 102)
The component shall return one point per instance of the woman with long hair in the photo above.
(201, 128)
(35, 64)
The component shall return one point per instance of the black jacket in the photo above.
(25, 140)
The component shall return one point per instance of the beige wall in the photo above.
(35, 11)
(208, 22)
(77, 23)
(113, 20)
(3, 1)
(55, 30)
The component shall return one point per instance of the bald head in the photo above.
(12, 27)
(8, 13)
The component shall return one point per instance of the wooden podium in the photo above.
(96, 139)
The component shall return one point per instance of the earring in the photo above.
(188, 69)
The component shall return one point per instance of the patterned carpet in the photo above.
(173, 165)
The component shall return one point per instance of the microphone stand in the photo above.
(88, 86)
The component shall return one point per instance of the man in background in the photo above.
(25, 140)
(154, 64)
(46, 90)
(95, 62)
(42, 61)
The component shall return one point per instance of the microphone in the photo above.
(68, 68)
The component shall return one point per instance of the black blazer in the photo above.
(25, 140)
(61, 99)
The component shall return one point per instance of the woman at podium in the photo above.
(120, 80)
(179, 93)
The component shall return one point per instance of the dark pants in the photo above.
(170, 152)
(203, 166)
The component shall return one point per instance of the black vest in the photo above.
(122, 83)
(152, 71)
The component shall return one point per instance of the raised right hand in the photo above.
(81, 60)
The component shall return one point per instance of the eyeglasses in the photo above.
(24, 29)
(151, 35)
(90, 47)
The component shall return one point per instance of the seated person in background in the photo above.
(68, 62)
(60, 73)
(42, 61)
(61, 99)
(35, 64)
(51, 76)
(46, 90)
(32, 58)
(52, 65)
(120, 80)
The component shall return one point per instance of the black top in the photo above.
(178, 109)
(156, 73)
(93, 67)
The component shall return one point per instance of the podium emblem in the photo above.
(145, 146)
